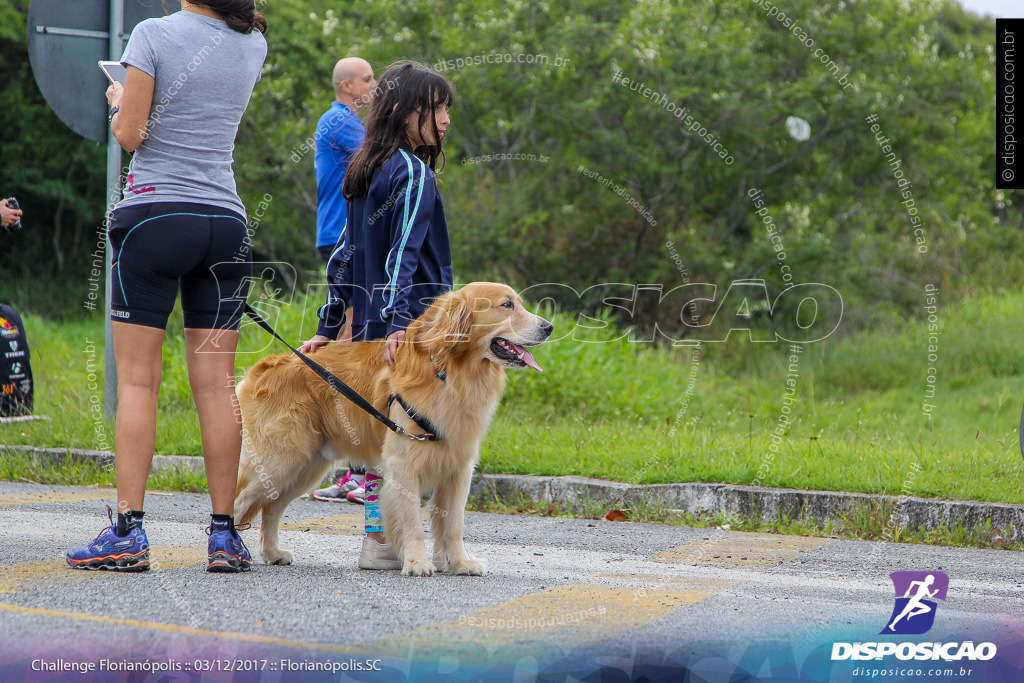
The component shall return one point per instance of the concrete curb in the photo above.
(743, 501)
(105, 459)
(696, 499)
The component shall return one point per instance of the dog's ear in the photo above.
(450, 324)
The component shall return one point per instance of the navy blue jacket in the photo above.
(394, 256)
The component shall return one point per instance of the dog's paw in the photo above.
(282, 557)
(418, 568)
(468, 567)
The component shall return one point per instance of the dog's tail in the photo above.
(248, 501)
(250, 514)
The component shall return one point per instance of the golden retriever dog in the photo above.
(450, 369)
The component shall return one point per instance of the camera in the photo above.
(16, 225)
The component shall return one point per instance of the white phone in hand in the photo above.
(115, 71)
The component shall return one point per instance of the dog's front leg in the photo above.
(400, 503)
(448, 509)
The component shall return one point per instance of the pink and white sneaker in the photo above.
(338, 491)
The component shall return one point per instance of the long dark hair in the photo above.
(405, 88)
(240, 15)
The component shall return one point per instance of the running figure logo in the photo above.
(914, 612)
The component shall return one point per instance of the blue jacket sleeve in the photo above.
(339, 290)
(416, 194)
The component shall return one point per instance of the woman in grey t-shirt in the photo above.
(180, 224)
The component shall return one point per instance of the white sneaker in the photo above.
(377, 555)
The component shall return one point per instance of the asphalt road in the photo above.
(563, 599)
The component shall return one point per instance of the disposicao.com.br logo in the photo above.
(913, 614)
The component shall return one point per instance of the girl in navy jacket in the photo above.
(394, 257)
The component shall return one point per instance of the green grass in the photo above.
(858, 423)
(625, 411)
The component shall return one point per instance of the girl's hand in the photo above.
(394, 339)
(114, 94)
(315, 343)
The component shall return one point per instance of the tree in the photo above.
(621, 143)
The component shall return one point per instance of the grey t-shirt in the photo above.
(204, 73)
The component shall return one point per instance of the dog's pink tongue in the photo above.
(529, 360)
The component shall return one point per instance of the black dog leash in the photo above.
(350, 393)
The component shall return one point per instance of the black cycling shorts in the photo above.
(157, 247)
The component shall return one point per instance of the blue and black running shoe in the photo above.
(109, 551)
(227, 551)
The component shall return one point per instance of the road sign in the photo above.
(65, 40)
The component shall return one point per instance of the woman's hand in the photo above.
(114, 94)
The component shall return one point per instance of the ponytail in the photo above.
(240, 15)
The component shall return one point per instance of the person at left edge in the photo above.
(8, 214)
(180, 224)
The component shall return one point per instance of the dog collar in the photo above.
(421, 421)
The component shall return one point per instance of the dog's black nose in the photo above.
(546, 327)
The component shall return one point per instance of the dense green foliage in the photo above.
(58, 178)
(536, 83)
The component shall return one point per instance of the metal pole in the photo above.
(113, 193)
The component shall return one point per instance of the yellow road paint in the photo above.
(163, 557)
(15, 577)
(174, 628)
(11, 499)
(349, 523)
(737, 549)
(573, 613)
(56, 572)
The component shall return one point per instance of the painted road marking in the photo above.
(347, 524)
(16, 577)
(175, 628)
(163, 557)
(736, 549)
(572, 613)
(24, 575)
(11, 499)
